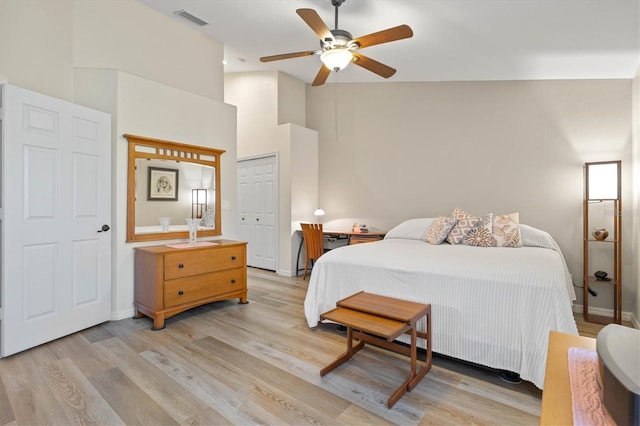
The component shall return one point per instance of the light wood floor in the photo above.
(258, 363)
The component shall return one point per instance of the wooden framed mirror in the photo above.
(168, 182)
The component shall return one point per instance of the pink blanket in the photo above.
(586, 389)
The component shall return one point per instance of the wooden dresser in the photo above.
(170, 280)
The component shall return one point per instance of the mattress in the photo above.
(490, 306)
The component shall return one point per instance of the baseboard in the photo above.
(626, 316)
(118, 315)
(285, 273)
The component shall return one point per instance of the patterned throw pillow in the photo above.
(208, 219)
(506, 230)
(481, 235)
(465, 223)
(439, 229)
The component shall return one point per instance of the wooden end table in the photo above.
(379, 320)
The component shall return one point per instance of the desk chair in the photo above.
(313, 243)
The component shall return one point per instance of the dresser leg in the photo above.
(158, 323)
(137, 314)
(243, 301)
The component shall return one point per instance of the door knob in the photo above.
(104, 228)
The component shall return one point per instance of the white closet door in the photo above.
(56, 203)
(257, 209)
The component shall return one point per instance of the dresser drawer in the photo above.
(185, 290)
(191, 262)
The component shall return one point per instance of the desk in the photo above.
(556, 397)
(356, 237)
(351, 237)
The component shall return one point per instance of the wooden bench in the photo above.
(379, 320)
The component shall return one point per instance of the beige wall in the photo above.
(128, 36)
(41, 41)
(271, 116)
(172, 88)
(389, 152)
(291, 100)
(148, 108)
(303, 193)
(256, 96)
(635, 209)
(36, 45)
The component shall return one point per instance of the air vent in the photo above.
(186, 15)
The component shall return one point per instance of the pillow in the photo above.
(465, 223)
(534, 237)
(412, 229)
(506, 230)
(208, 219)
(481, 235)
(439, 229)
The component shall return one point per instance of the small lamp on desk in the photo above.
(318, 213)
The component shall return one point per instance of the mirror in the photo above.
(167, 183)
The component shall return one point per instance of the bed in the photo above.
(492, 306)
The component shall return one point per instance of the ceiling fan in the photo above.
(338, 48)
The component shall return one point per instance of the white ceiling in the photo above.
(454, 40)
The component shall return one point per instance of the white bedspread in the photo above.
(490, 306)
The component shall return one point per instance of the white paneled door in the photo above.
(258, 210)
(56, 214)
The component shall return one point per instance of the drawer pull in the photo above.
(233, 281)
(181, 265)
(233, 258)
(180, 292)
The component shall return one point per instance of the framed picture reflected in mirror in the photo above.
(162, 184)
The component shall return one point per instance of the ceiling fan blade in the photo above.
(287, 56)
(322, 76)
(316, 23)
(372, 65)
(390, 34)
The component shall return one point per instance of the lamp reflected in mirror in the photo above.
(198, 202)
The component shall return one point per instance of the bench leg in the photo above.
(345, 356)
(414, 377)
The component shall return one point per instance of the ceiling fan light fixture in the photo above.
(336, 59)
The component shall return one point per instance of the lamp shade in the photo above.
(337, 58)
(318, 212)
(603, 180)
(199, 196)
(198, 202)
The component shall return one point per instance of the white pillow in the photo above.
(412, 229)
(534, 237)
